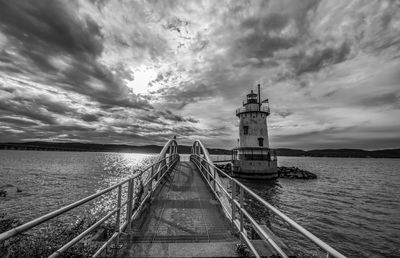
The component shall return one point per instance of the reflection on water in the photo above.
(50, 180)
(353, 205)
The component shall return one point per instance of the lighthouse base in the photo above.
(255, 169)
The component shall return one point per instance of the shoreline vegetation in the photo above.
(93, 147)
(46, 239)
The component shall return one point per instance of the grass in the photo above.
(46, 240)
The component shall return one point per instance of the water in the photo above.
(50, 180)
(354, 205)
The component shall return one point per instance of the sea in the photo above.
(354, 205)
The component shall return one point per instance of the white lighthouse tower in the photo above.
(253, 159)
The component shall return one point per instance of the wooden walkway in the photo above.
(184, 220)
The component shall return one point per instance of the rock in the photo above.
(8, 189)
(3, 193)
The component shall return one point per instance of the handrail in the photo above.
(207, 166)
(158, 170)
(263, 109)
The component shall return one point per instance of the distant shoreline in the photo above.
(184, 149)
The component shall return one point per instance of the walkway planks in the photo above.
(184, 220)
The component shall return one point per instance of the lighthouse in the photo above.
(253, 159)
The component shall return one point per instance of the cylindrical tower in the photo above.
(253, 158)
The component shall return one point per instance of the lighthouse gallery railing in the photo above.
(232, 202)
(165, 162)
(264, 109)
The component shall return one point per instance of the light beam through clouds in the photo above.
(139, 72)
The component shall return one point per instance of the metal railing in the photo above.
(245, 109)
(132, 205)
(232, 203)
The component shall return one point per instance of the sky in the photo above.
(140, 72)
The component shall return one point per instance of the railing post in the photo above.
(233, 193)
(129, 205)
(152, 174)
(241, 212)
(150, 183)
(214, 177)
(118, 220)
(207, 170)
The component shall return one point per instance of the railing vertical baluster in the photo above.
(233, 193)
(150, 183)
(152, 174)
(118, 220)
(208, 172)
(215, 184)
(241, 211)
(129, 205)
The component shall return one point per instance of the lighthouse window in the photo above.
(261, 142)
(245, 130)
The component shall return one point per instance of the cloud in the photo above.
(391, 99)
(17, 121)
(51, 36)
(90, 118)
(318, 58)
(143, 71)
(28, 110)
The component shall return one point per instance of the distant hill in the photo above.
(76, 146)
(353, 153)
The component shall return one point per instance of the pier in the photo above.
(184, 219)
(175, 208)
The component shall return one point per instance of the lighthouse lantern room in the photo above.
(253, 158)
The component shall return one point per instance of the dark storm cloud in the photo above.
(67, 128)
(188, 92)
(168, 115)
(143, 71)
(17, 121)
(50, 104)
(163, 117)
(49, 26)
(387, 99)
(90, 118)
(47, 32)
(255, 63)
(263, 34)
(27, 109)
(152, 118)
(319, 58)
(259, 43)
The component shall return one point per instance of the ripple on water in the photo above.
(353, 205)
